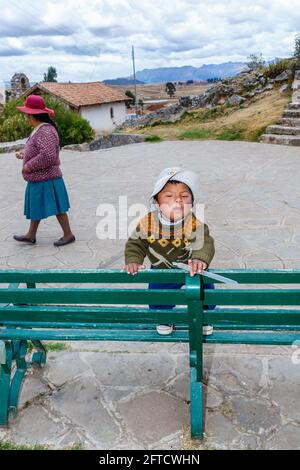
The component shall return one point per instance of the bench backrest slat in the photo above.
(94, 296)
(243, 276)
(91, 315)
(91, 276)
(252, 296)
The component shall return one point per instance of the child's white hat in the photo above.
(179, 174)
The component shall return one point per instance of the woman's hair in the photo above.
(44, 117)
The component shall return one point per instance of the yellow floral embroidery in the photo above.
(186, 242)
(151, 239)
(176, 242)
(163, 242)
(149, 227)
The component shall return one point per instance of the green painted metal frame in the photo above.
(83, 317)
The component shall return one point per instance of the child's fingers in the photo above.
(194, 268)
(200, 267)
(197, 267)
(133, 268)
(129, 268)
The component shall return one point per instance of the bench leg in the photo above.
(195, 310)
(196, 406)
(39, 357)
(19, 353)
(5, 374)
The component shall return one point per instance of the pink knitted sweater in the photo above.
(41, 155)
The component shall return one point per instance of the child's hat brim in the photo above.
(179, 174)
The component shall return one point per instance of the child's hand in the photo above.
(196, 266)
(133, 268)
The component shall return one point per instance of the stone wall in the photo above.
(105, 142)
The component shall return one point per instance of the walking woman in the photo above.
(46, 194)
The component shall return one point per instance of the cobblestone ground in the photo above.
(136, 396)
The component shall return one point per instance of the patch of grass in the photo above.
(56, 346)
(153, 138)
(7, 445)
(276, 69)
(227, 411)
(255, 135)
(161, 123)
(74, 446)
(53, 347)
(206, 115)
(231, 133)
(187, 443)
(195, 134)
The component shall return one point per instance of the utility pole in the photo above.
(135, 93)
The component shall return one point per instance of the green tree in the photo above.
(255, 61)
(170, 89)
(72, 128)
(131, 97)
(297, 50)
(51, 75)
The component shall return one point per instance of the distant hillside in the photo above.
(123, 81)
(187, 72)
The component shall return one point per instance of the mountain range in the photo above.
(184, 73)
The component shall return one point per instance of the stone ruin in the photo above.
(18, 85)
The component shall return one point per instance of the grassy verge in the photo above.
(7, 445)
(195, 134)
(153, 138)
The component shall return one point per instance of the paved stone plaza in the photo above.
(136, 396)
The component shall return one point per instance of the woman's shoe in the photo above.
(62, 241)
(22, 238)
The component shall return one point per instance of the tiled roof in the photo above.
(80, 94)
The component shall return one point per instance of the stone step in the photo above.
(294, 106)
(283, 130)
(290, 122)
(281, 139)
(291, 113)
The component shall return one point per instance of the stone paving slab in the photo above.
(133, 395)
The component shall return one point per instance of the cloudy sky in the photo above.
(88, 40)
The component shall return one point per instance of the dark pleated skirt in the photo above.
(46, 198)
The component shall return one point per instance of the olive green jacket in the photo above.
(163, 244)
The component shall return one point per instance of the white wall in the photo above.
(100, 118)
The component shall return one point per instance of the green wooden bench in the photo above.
(31, 311)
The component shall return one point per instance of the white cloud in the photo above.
(91, 39)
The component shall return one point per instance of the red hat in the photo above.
(35, 104)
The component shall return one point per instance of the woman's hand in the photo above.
(133, 268)
(196, 266)
(26, 169)
(20, 155)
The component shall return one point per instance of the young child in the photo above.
(170, 233)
